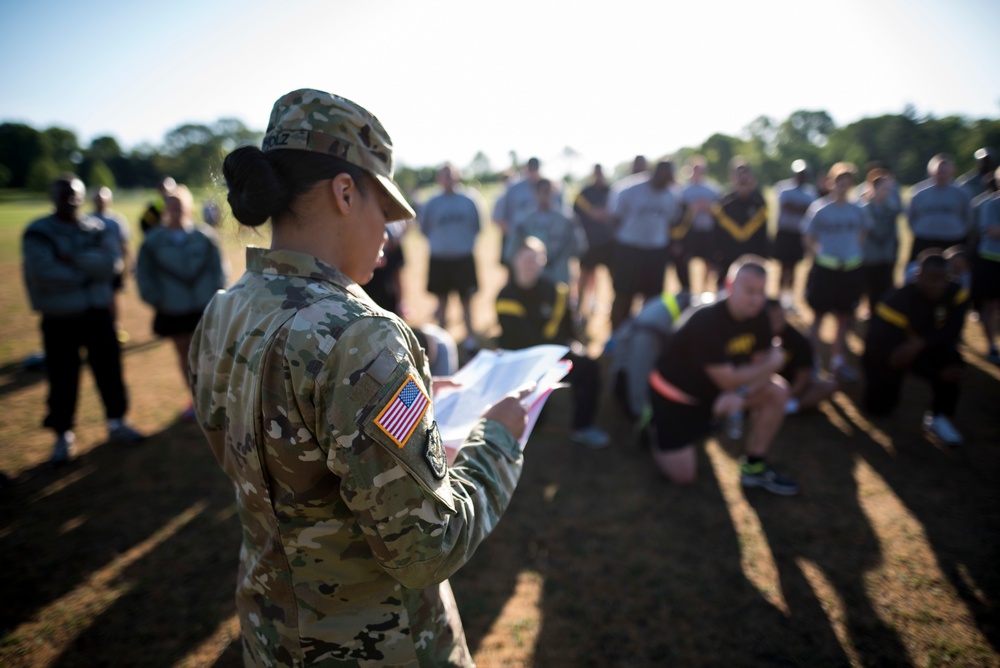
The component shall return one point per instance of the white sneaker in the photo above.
(63, 450)
(941, 426)
(592, 437)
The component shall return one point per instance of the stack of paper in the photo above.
(489, 377)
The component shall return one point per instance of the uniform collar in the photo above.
(291, 263)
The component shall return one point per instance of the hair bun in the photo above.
(256, 191)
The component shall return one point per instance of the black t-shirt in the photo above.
(708, 336)
(907, 312)
(593, 197)
(534, 316)
(742, 225)
(798, 352)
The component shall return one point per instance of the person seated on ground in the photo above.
(805, 388)
(637, 345)
(532, 311)
(916, 328)
(721, 361)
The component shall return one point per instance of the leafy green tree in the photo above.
(718, 150)
(100, 175)
(64, 148)
(4, 176)
(802, 136)
(20, 146)
(42, 173)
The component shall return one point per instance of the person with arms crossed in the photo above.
(180, 268)
(645, 213)
(719, 361)
(563, 237)
(940, 212)
(317, 404)
(70, 262)
(742, 218)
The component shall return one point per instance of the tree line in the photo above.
(192, 153)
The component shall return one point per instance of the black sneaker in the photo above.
(762, 475)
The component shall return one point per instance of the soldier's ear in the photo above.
(344, 192)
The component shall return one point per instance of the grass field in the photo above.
(890, 557)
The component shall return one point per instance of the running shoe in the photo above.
(591, 437)
(125, 435)
(762, 475)
(63, 450)
(943, 429)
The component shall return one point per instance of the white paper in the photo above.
(489, 377)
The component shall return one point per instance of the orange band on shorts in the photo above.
(669, 391)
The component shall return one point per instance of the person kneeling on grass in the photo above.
(805, 389)
(532, 311)
(721, 360)
(917, 328)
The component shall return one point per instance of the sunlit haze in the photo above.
(449, 79)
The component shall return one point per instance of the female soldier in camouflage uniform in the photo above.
(316, 403)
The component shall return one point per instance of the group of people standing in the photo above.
(648, 223)
(75, 267)
(319, 404)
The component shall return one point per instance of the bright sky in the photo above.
(448, 79)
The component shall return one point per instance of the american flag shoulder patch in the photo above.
(403, 412)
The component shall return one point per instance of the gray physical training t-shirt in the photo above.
(837, 228)
(520, 200)
(703, 221)
(939, 212)
(801, 196)
(450, 222)
(646, 215)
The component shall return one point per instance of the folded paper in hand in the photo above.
(489, 377)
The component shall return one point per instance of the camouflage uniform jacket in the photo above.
(351, 522)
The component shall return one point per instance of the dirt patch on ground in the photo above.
(889, 556)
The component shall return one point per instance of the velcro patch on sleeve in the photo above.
(402, 414)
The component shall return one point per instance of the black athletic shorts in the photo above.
(638, 270)
(676, 426)
(169, 324)
(985, 279)
(452, 275)
(787, 247)
(118, 283)
(698, 243)
(833, 290)
(595, 255)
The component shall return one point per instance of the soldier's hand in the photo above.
(511, 413)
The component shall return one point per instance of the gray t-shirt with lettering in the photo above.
(450, 221)
(837, 228)
(793, 201)
(703, 221)
(646, 215)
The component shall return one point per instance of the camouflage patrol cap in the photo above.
(312, 120)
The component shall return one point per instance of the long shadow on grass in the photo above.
(636, 572)
(952, 492)
(15, 377)
(823, 544)
(131, 552)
